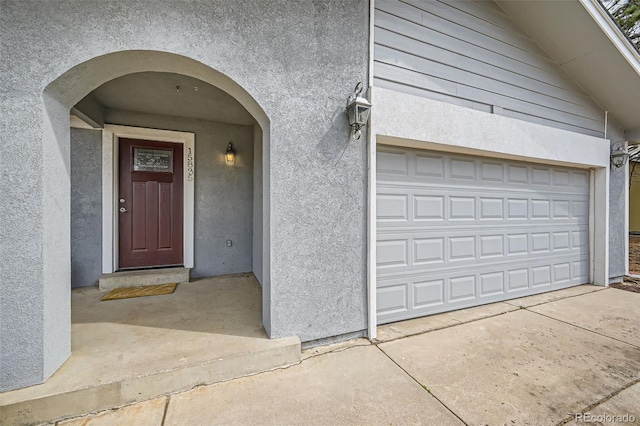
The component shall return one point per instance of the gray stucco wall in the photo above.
(86, 207)
(257, 204)
(617, 207)
(223, 194)
(298, 60)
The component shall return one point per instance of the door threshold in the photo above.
(147, 268)
(144, 277)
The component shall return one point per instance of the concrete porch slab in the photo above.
(143, 278)
(612, 312)
(358, 386)
(517, 368)
(131, 350)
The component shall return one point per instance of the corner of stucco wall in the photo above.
(266, 230)
(319, 200)
(56, 234)
(86, 206)
(257, 203)
(617, 209)
(21, 261)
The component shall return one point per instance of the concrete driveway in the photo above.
(540, 360)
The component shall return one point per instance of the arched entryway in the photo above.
(65, 93)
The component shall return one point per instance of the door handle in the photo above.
(122, 210)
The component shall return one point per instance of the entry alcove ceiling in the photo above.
(169, 95)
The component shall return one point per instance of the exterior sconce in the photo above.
(358, 109)
(230, 155)
(619, 155)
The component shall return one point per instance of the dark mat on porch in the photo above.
(148, 290)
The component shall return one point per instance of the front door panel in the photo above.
(150, 207)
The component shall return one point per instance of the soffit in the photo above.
(575, 41)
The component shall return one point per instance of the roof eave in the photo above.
(611, 30)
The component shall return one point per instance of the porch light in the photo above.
(358, 109)
(619, 155)
(230, 155)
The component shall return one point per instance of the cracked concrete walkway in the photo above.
(539, 360)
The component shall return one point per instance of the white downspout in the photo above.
(371, 210)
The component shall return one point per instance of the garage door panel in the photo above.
(455, 231)
(580, 210)
(392, 163)
(425, 182)
(393, 253)
(461, 169)
(579, 267)
(393, 299)
(580, 271)
(525, 191)
(429, 208)
(433, 167)
(393, 208)
(462, 288)
(415, 250)
(429, 165)
(517, 279)
(492, 283)
(436, 293)
(562, 272)
(429, 250)
(427, 292)
(541, 276)
(410, 206)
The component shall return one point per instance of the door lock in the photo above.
(121, 200)
(122, 210)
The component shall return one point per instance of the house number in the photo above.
(189, 166)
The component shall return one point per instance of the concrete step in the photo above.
(143, 278)
(56, 404)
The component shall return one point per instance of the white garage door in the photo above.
(455, 231)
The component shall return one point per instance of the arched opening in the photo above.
(152, 92)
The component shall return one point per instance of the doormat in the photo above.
(148, 290)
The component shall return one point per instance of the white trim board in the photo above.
(110, 136)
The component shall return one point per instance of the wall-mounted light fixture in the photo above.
(230, 155)
(358, 109)
(619, 155)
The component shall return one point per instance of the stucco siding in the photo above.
(86, 207)
(258, 216)
(296, 63)
(617, 205)
(471, 54)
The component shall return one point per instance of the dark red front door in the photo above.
(150, 207)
